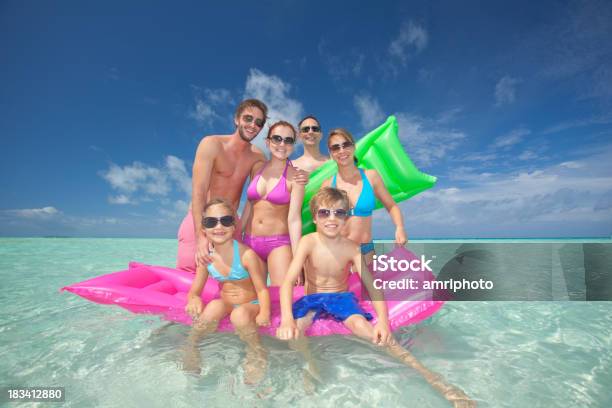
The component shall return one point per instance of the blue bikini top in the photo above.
(366, 201)
(237, 271)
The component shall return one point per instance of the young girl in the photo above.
(243, 295)
(272, 215)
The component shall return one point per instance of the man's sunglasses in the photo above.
(211, 222)
(336, 147)
(325, 213)
(276, 139)
(250, 118)
(315, 129)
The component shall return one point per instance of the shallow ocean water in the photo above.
(503, 354)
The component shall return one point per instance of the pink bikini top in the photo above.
(279, 194)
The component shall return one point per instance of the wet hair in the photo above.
(281, 123)
(329, 196)
(308, 117)
(219, 201)
(252, 103)
(345, 134)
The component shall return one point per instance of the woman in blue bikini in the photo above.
(243, 295)
(363, 188)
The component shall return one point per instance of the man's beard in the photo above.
(243, 136)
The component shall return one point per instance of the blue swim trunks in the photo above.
(338, 306)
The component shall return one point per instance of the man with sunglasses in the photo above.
(221, 166)
(310, 134)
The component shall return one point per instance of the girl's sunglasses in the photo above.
(211, 222)
(336, 147)
(276, 139)
(250, 118)
(326, 213)
(315, 129)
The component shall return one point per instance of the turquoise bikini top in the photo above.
(237, 271)
(366, 201)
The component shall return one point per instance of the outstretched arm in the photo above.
(295, 215)
(202, 173)
(381, 192)
(288, 329)
(194, 302)
(382, 333)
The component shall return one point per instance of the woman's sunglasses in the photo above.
(336, 147)
(250, 118)
(315, 129)
(276, 139)
(326, 213)
(211, 222)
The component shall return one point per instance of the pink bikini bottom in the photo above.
(264, 245)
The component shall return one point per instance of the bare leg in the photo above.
(206, 323)
(301, 345)
(256, 361)
(278, 263)
(362, 328)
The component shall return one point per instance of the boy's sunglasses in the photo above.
(250, 118)
(315, 129)
(325, 213)
(336, 147)
(276, 139)
(211, 222)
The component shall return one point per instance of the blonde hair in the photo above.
(329, 196)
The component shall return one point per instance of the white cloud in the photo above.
(566, 198)
(528, 155)
(274, 92)
(44, 212)
(505, 90)
(426, 141)
(138, 182)
(411, 39)
(510, 139)
(341, 64)
(369, 110)
(207, 104)
(131, 178)
(120, 199)
(594, 120)
(177, 171)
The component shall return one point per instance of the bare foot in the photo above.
(192, 360)
(255, 364)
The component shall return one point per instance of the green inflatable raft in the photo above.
(381, 150)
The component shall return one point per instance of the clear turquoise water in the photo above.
(503, 354)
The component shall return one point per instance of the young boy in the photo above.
(327, 295)
(326, 284)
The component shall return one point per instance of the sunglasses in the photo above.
(211, 222)
(315, 129)
(345, 145)
(276, 139)
(326, 213)
(250, 118)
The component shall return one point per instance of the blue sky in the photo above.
(508, 104)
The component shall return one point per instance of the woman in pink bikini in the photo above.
(273, 221)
